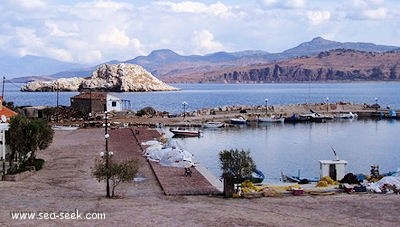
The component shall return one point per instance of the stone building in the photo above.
(96, 102)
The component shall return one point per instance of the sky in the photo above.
(95, 31)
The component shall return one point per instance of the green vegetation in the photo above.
(25, 137)
(150, 111)
(235, 165)
(115, 172)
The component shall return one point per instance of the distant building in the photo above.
(96, 102)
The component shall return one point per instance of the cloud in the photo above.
(204, 42)
(288, 4)
(318, 17)
(379, 13)
(55, 30)
(94, 31)
(28, 4)
(114, 37)
(366, 9)
(217, 8)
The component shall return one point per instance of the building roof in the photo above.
(6, 111)
(90, 95)
(93, 95)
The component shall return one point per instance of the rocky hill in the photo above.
(107, 77)
(334, 65)
(167, 64)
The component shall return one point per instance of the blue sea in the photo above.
(288, 148)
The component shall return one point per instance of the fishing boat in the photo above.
(213, 124)
(185, 132)
(296, 179)
(349, 115)
(296, 118)
(238, 121)
(256, 177)
(272, 119)
(316, 117)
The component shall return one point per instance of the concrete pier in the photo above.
(126, 144)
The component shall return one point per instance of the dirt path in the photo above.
(65, 184)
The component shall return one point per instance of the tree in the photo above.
(116, 172)
(235, 165)
(25, 137)
(147, 111)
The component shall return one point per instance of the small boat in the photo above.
(316, 117)
(64, 128)
(349, 115)
(272, 119)
(256, 177)
(297, 118)
(239, 121)
(296, 179)
(213, 124)
(184, 132)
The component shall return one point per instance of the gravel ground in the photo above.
(65, 184)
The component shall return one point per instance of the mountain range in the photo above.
(171, 67)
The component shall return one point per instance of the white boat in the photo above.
(184, 132)
(213, 124)
(64, 128)
(272, 119)
(349, 115)
(238, 121)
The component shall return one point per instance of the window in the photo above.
(113, 103)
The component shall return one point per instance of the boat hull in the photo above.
(189, 133)
(213, 125)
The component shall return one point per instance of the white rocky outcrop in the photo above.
(63, 84)
(107, 77)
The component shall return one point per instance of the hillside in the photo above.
(334, 65)
(167, 65)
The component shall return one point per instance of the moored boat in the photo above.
(213, 124)
(297, 118)
(238, 121)
(349, 115)
(256, 177)
(272, 119)
(184, 132)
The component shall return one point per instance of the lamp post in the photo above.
(327, 104)
(184, 104)
(376, 104)
(266, 106)
(107, 154)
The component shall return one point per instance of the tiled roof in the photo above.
(91, 95)
(7, 112)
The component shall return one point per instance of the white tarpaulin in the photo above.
(170, 155)
(389, 180)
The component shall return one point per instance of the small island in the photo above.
(107, 77)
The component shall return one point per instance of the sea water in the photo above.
(290, 148)
(295, 149)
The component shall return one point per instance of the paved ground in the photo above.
(125, 143)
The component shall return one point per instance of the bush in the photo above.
(146, 111)
(38, 164)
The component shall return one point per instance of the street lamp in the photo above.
(184, 104)
(107, 154)
(376, 104)
(266, 106)
(327, 104)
